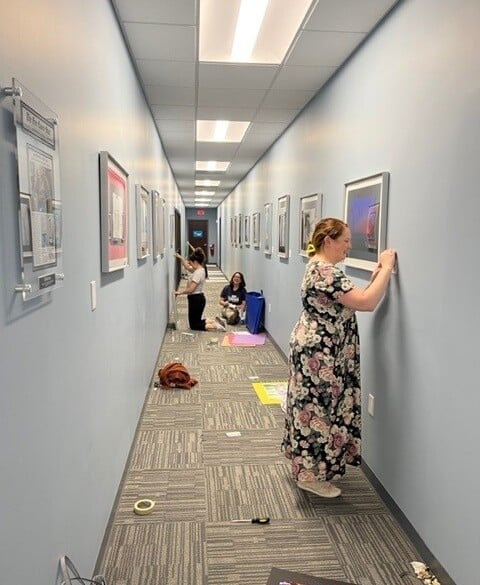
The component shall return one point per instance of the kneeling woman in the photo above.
(195, 297)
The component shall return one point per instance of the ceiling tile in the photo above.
(276, 115)
(170, 95)
(348, 15)
(236, 75)
(178, 12)
(167, 112)
(269, 128)
(324, 49)
(156, 72)
(158, 41)
(303, 78)
(237, 98)
(216, 150)
(225, 113)
(287, 99)
(172, 126)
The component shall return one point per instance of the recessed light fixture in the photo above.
(212, 165)
(252, 31)
(221, 130)
(207, 183)
(203, 192)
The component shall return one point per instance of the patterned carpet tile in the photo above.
(227, 374)
(250, 447)
(179, 496)
(184, 416)
(372, 548)
(271, 373)
(173, 396)
(358, 497)
(245, 554)
(232, 415)
(241, 392)
(248, 491)
(162, 553)
(268, 357)
(188, 357)
(167, 449)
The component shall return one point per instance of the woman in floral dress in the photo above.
(323, 408)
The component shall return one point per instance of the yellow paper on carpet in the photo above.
(271, 392)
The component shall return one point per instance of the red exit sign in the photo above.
(200, 211)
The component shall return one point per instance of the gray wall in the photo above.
(73, 381)
(408, 102)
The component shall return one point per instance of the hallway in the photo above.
(201, 479)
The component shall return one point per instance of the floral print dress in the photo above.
(323, 408)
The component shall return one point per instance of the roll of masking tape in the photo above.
(143, 507)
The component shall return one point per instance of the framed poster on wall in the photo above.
(256, 229)
(366, 202)
(114, 213)
(283, 223)
(246, 237)
(310, 213)
(158, 224)
(143, 221)
(267, 236)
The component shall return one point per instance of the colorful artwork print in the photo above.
(366, 213)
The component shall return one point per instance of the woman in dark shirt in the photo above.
(233, 299)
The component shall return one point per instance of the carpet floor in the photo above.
(201, 479)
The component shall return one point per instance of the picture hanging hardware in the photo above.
(23, 288)
(12, 91)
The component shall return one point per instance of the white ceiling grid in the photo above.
(162, 37)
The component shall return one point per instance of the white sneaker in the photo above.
(324, 489)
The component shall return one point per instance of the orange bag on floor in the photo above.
(175, 375)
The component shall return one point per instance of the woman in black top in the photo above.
(233, 299)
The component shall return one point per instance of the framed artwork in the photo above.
(114, 213)
(310, 213)
(158, 224)
(143, 221)
(267, 236)
(55, 208)
(240, 230)
(256, 229)
(366, 202)
(283, 225)
(246, 235)
(172, 230)
(25, 223)
(41, 186)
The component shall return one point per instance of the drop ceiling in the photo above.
(162, 37)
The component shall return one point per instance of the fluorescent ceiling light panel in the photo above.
(212, 165)
(201, 204)
(221, 130)
(207, 183)
(249, 21)
(204, 192)
(252, 31)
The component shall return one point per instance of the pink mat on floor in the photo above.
(244, 338)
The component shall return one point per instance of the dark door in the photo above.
(198, 234)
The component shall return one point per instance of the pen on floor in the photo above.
(264, 520)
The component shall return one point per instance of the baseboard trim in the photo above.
(426, 554)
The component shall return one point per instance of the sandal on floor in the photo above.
(324, 489)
